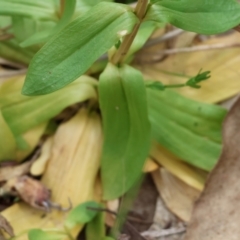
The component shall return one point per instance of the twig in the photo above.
(9, 74)
(11, 64)
(163, 233)
(128, 40)
(167, 36)
(198, 48)
(6, 36)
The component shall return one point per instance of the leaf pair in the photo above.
(126, 128)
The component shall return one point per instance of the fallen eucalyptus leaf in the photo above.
(216, 213)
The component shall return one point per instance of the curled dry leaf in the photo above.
(38, 167)
(29, 190)
(216, 215)
(9, 172)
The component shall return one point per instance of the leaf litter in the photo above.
(189, 177)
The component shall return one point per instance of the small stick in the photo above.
(9, 74)
(198, 48)
(163, 233)
(167, 36)
(11, 64)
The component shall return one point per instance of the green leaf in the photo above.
(23, 113)
(96, 228)
(126, 129)
(38, 234)
(8, 146)
(27, 8)
(11, 51)
(194, 81)
(189, 129)
(205, 17)
(88, 37)
(42, 37)
(81, 214)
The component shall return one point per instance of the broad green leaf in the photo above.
(205, 17)
(126, 129)
(189, 129)
(42, 37)
(81, 214)
(8, 144)
(96, 228)
(85, 5)
(38, 234)
(88, 37)
(23, 113)
(27, 8)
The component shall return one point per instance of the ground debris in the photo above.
(216, 213)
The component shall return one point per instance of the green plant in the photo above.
(135, 112)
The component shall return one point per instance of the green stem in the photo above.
(175, 85)
(128, 40)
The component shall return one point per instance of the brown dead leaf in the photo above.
(177, 195)
(216, 214)
(9, 172)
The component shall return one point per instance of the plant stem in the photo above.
(128, 40)
(62, 6)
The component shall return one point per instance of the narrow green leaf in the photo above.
(81, 214)
(189, 129)
(8, 146)
(96, 228)
(88, 37)
(11, 51)
(38, 234)
(205, 17)
(126, 129)
(33, 9)
(42, 37)
(23, 113)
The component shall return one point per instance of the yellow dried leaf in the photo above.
(183, 171)
(71, 173)
(150, 166)
(38, 167)
(32, 138)
(223, 64)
